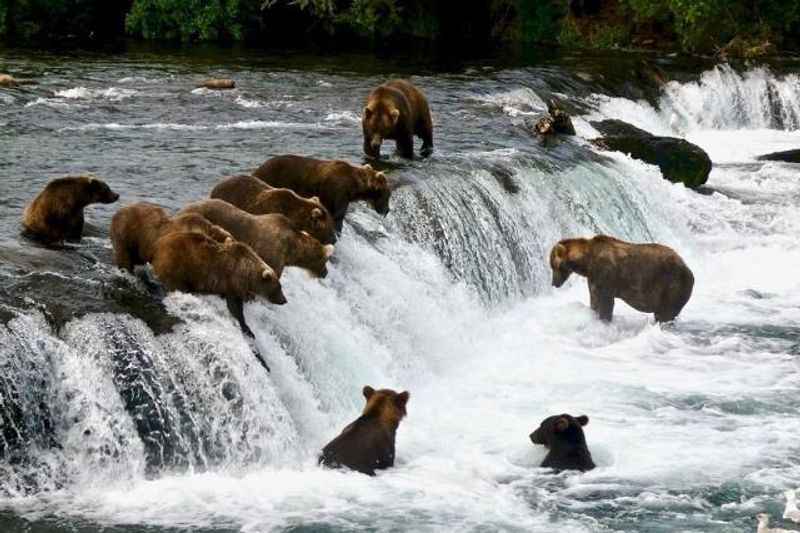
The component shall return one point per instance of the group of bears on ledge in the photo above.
(289, 211)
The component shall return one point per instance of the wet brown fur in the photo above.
(193, 262)
(136, 228)
(273, 237)
(56, 214)
(336, 183)
(565, 441)
(397, 110)
(368, 443)
(651, 278)
(257, 198)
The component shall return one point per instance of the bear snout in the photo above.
(277, 297)
(113, 197)
(324, 272)
(535, 438)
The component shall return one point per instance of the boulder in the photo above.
(218, 84)
(789, 156)
(679, 160)
(7, 81)
(557, 121)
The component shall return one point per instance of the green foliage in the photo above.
(539, 20)
(696, 25)
(191, 20)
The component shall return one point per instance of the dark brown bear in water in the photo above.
(250, 194)
(397, 110)
(651, 278)
(367, 444)
(193, 262)
(335, 183)
(56, 214)
(136, 228)
(563, 436)
(273, 237)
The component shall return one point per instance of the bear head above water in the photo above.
(563, 436)
(368, 444)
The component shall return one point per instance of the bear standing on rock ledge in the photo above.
(397, 110)
(336, 183)
(651, 278)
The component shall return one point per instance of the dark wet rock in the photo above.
(679, 160)
(71, 282)
(556, 122)
(218, 84)
(788, 156)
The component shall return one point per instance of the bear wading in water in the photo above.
(651, 278)
(563, 436)
(367, 444)
(335, 183)
(273, 237)
(56, 214)
(250, 194)
(136, 228)
(397, 110)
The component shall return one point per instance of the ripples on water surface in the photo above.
(120, 414)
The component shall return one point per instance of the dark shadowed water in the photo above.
(123, 413)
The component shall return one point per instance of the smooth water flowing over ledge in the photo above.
(117, 417)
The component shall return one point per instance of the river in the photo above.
(121, 413)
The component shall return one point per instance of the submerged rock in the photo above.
(679, 160)
(218, 84)
(7, 81)
(788, 156)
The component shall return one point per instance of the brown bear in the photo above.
(273, 237)
(56, 214)
(563, 436)
(257, 198)
(335, 183)
(651, 278)
(397, 110)
(136, 228)
(368, 443)
(193, 262)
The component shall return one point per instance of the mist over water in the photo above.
(109, 422)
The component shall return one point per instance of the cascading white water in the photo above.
(449, 298)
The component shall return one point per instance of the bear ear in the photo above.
(559, 250)
(367, 391)
(367, 112)
(228, 241)
(395, 115)
(561, 425)
(316, 214)
(367, 167)
(582, 420)
(328, 250)
(304, 233)
(316, 199)
(402, 399)
(268, 274)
